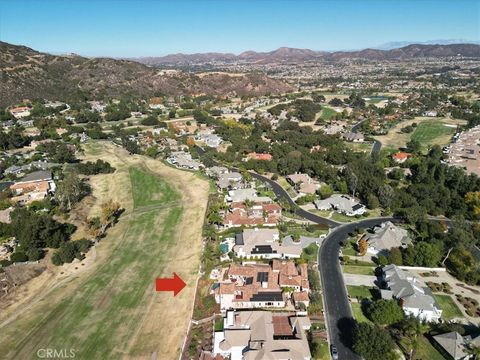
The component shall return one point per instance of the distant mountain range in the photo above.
(398, 44)
(29, 74)
(285, 55)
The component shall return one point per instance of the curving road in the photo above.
(338, 312)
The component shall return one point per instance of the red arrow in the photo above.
(175, 284)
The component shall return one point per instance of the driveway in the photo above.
(359, 280)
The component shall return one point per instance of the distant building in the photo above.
(401, 157)
(248, 194)
(184, 160)
(303, 183)
(354, 136)
(415, 296)
(257, 156)
(20, 112)
(263, 335)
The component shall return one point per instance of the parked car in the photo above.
(333, 350)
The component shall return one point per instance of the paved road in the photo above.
(377, 145)
(338, 312)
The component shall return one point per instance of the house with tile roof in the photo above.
(252, 285)
(263, 335)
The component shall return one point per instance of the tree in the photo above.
(325, 191)
(412, 328)
(422, 254)
(384, 312)
(373, 343)
(372, 202)
(70, 190)
(414, 146)
(385, 196)
(362, 246)
(395, 256)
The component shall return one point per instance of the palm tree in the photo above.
(412, 329)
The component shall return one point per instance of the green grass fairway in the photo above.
(428, 131)
(327, 113)
(102, 315)
(450, 309)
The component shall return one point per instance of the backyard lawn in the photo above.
(450, 309)
(426, 350)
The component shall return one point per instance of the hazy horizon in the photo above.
(116, 28)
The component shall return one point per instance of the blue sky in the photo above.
(154, 27)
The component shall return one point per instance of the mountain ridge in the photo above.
(26, 73)
(285, 54)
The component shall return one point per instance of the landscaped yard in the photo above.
(358, 269)
(450, 309)
(426, 350)
(358, 313)
(359, 292)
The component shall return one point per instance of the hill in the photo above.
(285, 54)
(26, 73)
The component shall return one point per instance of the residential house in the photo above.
(259, 213)
(230, 180)
(257, 335)
(216, 171)
(20, 112)
(341, 203)
(414, 295)
(354, 136)
(258, 156)
(386, 236)
(263, 243)
(303, 183)
(34, 186)
(248, 194)
(456, 346)
(401, 157)
(182, 159)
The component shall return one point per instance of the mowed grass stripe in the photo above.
(99, 319)
(147, 190)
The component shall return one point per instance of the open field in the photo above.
(429, 131)
(450, 309)
(110, 308)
